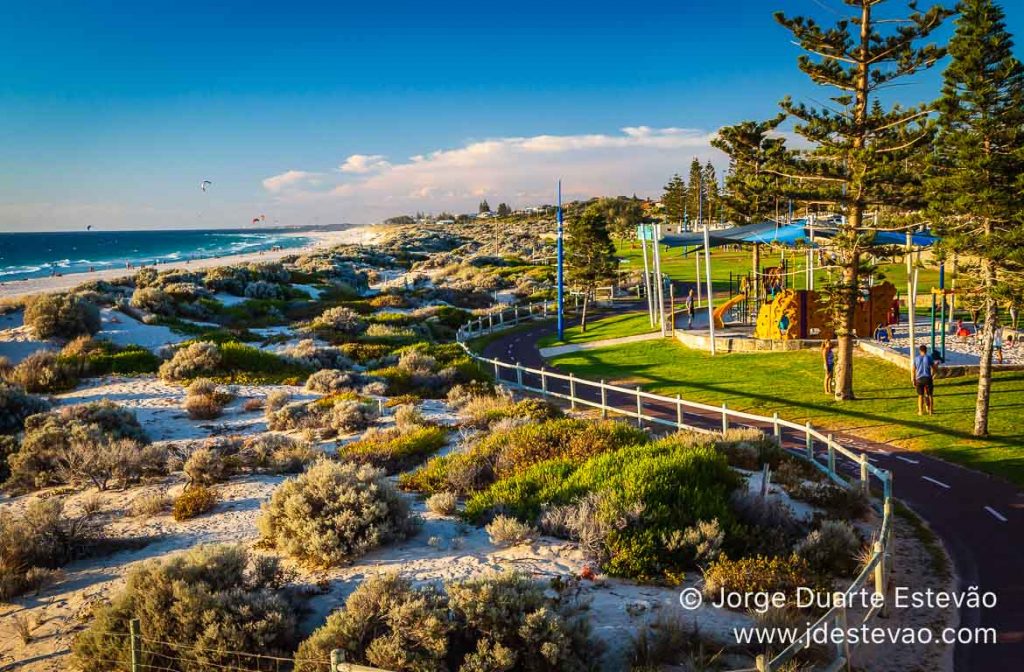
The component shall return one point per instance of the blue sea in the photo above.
(32, 255)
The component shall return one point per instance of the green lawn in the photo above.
(724, 262)
(614, 326)
(791, 384)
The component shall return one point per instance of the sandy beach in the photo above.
(321, 240)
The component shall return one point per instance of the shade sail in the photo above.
(791, 235)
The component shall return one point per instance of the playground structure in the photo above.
(797, 314)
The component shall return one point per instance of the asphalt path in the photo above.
(979, 518)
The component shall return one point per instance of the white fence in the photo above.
(678, 413)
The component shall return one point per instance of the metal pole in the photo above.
(697, 259)
(911, 317)
(135, 631)
(647, 272)
(658, 278)
(639, 409)
(711, 302)
(560, 272)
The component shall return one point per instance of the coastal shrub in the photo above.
(700, 543)
(460, 394)
(307, 353)
(329, 381)
(350, 416)
(245, 359)
(395, 449)
(152, 300)
(758, 574)
(277, 453)
(484, 411)
(150, 504)
(195, 359)
(39, 540)
(334, 512)
(407, 416)
(260, 289)
(338, 323)
(295, 415)
(44, 371)
(61, 316)
(749, 448)
(387, 623)
(507, 531)
(15, 406)
(585, 521)
(834, 499)
(68, 443)
(494, 622)
(443, 503)
(206, 465)
(831, 549)
(205, 400)
(194, 501)
(223, 600)
(766, 525)
(276, 400)
(365, 353)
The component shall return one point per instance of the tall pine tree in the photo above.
(674, 199)
(974, 194)
(710, 184)
(750, 190)
(860, 152)
(589, 254)
(694, 189)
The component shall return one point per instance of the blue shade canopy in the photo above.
(790, 235)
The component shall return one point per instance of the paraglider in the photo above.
(88, 227)
(204, 184)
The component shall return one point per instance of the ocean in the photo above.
(33, 255)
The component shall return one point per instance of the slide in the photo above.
(725, 307)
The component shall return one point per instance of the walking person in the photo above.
(689, 309)
(925, 368)
(997, 341)
(828, 360)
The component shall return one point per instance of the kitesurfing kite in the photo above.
(204, 183)
(88, 227)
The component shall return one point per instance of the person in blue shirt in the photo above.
(924, 380)
(828, 360)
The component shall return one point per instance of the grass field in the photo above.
(615, 326)
(791, 384)
(724, 262)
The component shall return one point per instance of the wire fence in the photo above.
(844, 466)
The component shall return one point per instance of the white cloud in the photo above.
(518, 170)
(364, 163)
(289, 178)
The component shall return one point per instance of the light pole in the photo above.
(560, 273)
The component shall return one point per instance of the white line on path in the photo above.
(939, 483)
(998, 516)
(907, 460)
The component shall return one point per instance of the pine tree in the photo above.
(710, 184)
(860, 152)
(484, 207)
(622, 216)
(750, 189)
(674, 199)
(694, 190)
(589, 254)
(973, 188)
(504, 210)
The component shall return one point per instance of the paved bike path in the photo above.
(979, 518)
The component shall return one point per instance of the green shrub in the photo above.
(277, 453)
(496, 622)
(348, 415)
(396, 449)
(750, 449)
(38, 541)
(83, 441)
(153, 300)
(194, 501)
(831, 549)
(329, 381)
(44, 371)
(196, 609)
(195, 359)
(15, 406)
(443, 503)
(334, 512)
(836, 500)
(758, 575)
(507, 531)
(61, 316)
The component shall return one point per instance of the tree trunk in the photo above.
(846, 308)
(583, 315)
(988, 278)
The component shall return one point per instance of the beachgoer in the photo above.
(894, 310)
(689, 309)
(784, 325)
(997, 341)
(925, 368)
(828, 360)
(883, 333)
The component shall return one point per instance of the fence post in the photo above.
(865, 484)
(639, 408)
(880, 577)
(810, 441)
(134, 630)
(337, 659)
(679, 411)
(762, 664)
(497, 376)
(519, 374)
(545, 309)
(604, 400)
(380, 407)
(831, 455)
(843, 646)
(490, 320)
(725, 418)
(572, 392)
(501, 317)
(543, 381)
(516, 317)
(776, 429)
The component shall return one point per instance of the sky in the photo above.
(112, 113)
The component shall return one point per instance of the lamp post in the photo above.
(561, 261)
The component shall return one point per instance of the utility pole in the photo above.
(560, 273)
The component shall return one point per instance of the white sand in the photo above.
(323, 239)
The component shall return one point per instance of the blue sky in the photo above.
(112, 112)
